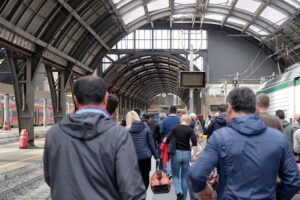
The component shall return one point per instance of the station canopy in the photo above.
(81, 33)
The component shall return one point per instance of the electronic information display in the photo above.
(192, 79)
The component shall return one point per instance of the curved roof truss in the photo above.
(146, 76)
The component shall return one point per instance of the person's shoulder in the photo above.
(117, 129)
(274, 133)
(55, 129)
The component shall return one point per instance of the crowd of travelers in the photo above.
(249, 153)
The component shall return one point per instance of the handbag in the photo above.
(172, 144)
(160, 182)
(213, 178)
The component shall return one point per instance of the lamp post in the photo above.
(191, 69)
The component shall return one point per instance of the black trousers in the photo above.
(145, 168)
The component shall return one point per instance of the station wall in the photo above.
(228, 55)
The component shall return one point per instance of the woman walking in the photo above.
(180, 160)
(143, 143)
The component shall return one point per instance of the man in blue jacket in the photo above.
(249, 156)
(165, 128)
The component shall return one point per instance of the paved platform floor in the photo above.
(12, 135)
(12, 157)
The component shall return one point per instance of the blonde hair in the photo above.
(131, 117)
(186, 118)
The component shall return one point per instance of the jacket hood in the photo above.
(284, 123)
(221, 119)
(137, 127)
(85, 125)
(248, 125)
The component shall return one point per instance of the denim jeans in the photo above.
(180, 165)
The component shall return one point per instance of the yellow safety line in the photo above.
(30, 158)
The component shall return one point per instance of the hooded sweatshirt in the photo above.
(88, 156)
(248, 155)
(288, 131)
(217, 123)
(143, 141)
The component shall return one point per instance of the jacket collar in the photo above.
(93, 109)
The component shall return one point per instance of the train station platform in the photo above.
(22, 178)
(21, 174)
(12, 135)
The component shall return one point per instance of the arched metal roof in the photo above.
(79, 33)
(142, 77)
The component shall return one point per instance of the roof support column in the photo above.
(58, 92)
(23, 70)
(6, 118)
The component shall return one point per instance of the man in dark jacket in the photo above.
(249, 156)
(217, 122)
(287, 127)
(88, 156)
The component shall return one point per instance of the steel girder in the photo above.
(23, 72)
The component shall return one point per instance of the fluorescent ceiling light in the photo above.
(157, 5)
(234, 20)
(273, 15)
(133, 14)
(248, 5)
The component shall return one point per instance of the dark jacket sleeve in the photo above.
(151, 144)
(209, 129)
(199, 172)
(128, 176)
(46, 160)
(289, 175)
(193, 139)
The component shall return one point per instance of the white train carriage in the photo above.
(284, 92)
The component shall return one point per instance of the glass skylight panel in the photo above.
(273, 15)
(157, 5)
(258, 30)
(220, 2)
(185, 2)
(133, 14)
(238, 21)
(178, 16)
(116, 1)
(122, 3)
(293, 3)
(248, 5)
(217, 17)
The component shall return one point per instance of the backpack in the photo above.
(198, 128)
